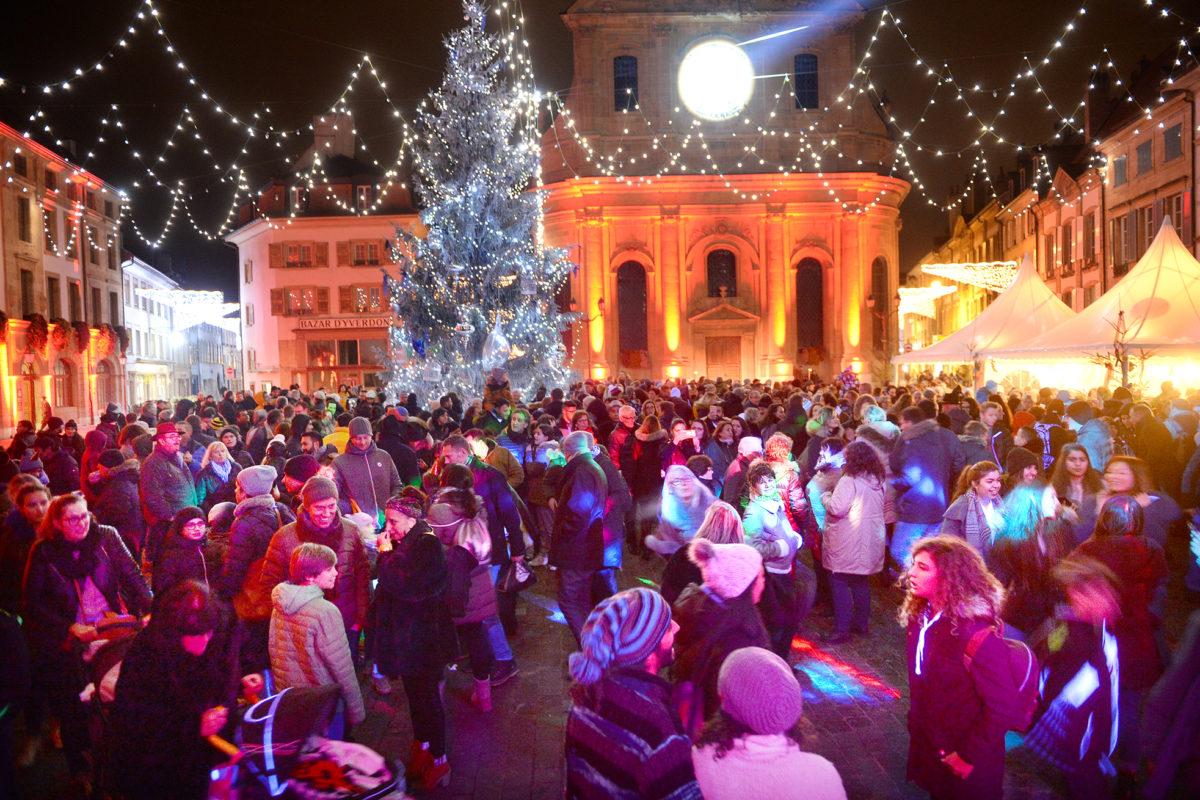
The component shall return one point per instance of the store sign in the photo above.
(343, 323)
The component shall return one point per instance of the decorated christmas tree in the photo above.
(477, 291)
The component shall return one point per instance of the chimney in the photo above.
(333, 135)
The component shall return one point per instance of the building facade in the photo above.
(718, 233)
(157, 361)
(312, 250)
(214, 358)
(60, 245)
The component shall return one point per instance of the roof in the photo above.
(1158, 303)
(1026, 308)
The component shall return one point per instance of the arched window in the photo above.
(625, 83)
(106, 384)
(879, 293)
(632, 330)
(64, 384)
(805, 80)
(810, 304)
(722, 273)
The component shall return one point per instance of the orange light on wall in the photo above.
(783, 368)
(596, 334)
(598, 373)
(671, 327)
(853, 320)
(672, 372)
(856, 366)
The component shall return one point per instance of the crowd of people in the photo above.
(224, 547)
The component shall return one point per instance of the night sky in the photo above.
(295, 57)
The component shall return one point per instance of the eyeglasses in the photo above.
(76, 519)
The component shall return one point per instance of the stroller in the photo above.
(279, 754)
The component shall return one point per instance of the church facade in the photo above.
(729, 213)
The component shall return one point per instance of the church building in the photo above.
(730, 210)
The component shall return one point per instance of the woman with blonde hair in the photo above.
(956, 745)
(685, 501)
(721, 525)
(216, 481)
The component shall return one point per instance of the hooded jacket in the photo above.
(116, 502)
(255, 521)
(366, 477)
(923, 465)
(181, 559)
(352, 593)
(166, 485)
(577, 540)
(769, 532)
(855, 537)
(391, 441)
(308, 645)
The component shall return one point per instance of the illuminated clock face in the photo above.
(716, 79)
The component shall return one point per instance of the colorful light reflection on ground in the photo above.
(832, 679)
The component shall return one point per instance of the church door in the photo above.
(724, 356)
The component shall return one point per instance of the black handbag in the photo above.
(515, 576)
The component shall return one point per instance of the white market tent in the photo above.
(1026, 309)
(1159, 301)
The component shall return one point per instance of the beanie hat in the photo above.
(759, 690)
(1080, 411)
(1019, 458)
(111, 458)
(1122, 394)
(360, 426)
(728, 569)
(229, 429)
(220, 517)
(749, 445)
(1022, 419)
(257, 480)
(301, 467)
(30, 462)
(577, 442)
(409, 506)
(622, 629)
(316, 489)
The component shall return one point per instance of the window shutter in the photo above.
(322, 299)
(1131, 237)
(345, 299)
(385, 252)
(343, 254)
(277, 302)
(321, 254)
(276, 255)
(1185, 224)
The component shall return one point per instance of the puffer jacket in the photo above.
(471, 597)
(308, 645)
(647, 465)
(855, 537)
(181, 559)
(770, 533)
(255, 521)
(116, 503)
(352, 592)
(366, 477)
(210, 489)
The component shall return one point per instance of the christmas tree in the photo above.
(477, 291)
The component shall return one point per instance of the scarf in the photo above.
(976, 519)
(222, 470)
(75, 560)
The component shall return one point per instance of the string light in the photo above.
(995, 276)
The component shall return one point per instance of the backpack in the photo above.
(1019, 701)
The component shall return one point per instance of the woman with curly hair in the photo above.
(956, 745)
(974, 514)
(755, 738)
(1078, 486)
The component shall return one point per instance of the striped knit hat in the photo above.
(621, 630)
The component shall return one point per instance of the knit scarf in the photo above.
(976, 519)
(222, 470)
(75, 560)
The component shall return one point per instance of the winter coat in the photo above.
(722, 456)
(974, 450)
(308, 645)
(51, 597)
(647, 464)
(15, 543)
(166, 486)
(953, 710)
(620, 449)
(351, 593)
(678, 574)
(1141, 566)
(768, 531)
(181, 559)
(154, 724)
(954, 523)
(413, 633)
(403, 456)
(255, 521)
(577, 539)
(504, 519)
(924, 469)
(117, 503)
(210, 489)
(710, 628)
(855, 538)
(89, 461)
(617, 504)
(772, 763)
(1152, 443)
(510, 467)
(678, 452)
(471, 596)
(366, 479)
(63, 472)
(733, 487)
(240, 456)
(1172, 716)
(256, 443)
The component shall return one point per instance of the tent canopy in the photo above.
(1158, 303)
(1027, 308)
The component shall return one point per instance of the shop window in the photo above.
(347, 352)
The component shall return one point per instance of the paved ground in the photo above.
(856, 699)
